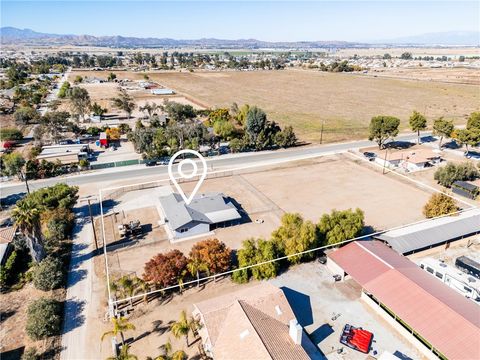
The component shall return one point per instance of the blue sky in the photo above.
(270, 21)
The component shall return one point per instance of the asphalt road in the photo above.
(223, 162)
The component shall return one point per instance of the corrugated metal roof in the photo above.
(427, 305)
(433, 232)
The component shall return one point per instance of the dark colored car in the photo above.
(150, 163)
(370, 156)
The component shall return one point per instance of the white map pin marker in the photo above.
(190, 175)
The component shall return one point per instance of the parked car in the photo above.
(150, 163)
(370, 156)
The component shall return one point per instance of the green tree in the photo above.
(10, 134)
(169, 354)
(383, 128)
(79, 101)
(439, 204)
(286, 137)
(467, 137)
(294, 236)
(266, 251)
(184, 326)
(112, 76)
(44, 318)
(442, 128)
(255, 122)
(124, 102)
(339, 226)
(63, 92)
(13, 164)
(120, 326)
(246, 256)
(417, 122)
(25, 115)
(30, 354)
(474, 121)
(179, 112)
(26, 215)
(448, 174)
(97, 109)
(48, 274)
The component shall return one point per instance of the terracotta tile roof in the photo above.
(427, 305)
(253, 321)
(7, 234)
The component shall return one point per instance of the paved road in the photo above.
(224, 162)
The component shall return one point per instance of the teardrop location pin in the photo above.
(186, 174)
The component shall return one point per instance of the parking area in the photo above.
(323, 307)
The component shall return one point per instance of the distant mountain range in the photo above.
(11, 35)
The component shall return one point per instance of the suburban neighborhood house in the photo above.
(256, 322)
(428, 234)
(7, 234)
(205, 213)
(417, 304)
(408, 160)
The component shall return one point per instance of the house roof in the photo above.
(253, 321)
(432, 232)
(205, 208)
(7, 234)
(423, 302)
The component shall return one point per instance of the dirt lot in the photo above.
(449, 75)
(386, 202)
(13, 318)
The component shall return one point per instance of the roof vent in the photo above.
(278, 310)
(244, 334)
(443, 265)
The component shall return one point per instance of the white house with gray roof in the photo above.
(205, 213)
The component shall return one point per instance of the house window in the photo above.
(430, 270)
(183, 230)
(439, 275)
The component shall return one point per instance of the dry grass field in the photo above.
(305, 99)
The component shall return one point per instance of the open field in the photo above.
(304, 99)
(310, 188)
(447, 75)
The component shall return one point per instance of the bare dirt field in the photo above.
(13, 318)
(310, 188)
(447, 75)
(420, 51)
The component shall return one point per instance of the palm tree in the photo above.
(124, 355)
(129, 287)
(184, 326)
(27, 217)
(194, 266)
(120, 325)
(167, 349)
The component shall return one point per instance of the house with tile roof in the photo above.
(257, 321)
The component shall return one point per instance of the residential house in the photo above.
(255, 323)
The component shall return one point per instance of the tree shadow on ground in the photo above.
(158, 327)
(73, 317)
(4, 315)
(75, 276)
(300, 304)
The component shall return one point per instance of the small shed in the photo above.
(465, 189)
(103, 139)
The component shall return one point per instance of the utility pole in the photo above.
(385, 161)
(88, 199)
(321, 131)
(24, 177)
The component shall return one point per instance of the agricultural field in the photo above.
(304, 99)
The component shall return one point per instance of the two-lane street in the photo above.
(223, 162)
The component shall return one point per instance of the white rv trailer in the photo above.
(463, 283)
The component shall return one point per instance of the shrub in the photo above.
(30, 354)
(10, 134)
(83, 163)
(452, 172)
(48, 275)
(6, 273)
(438, 205)
(44, 318)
